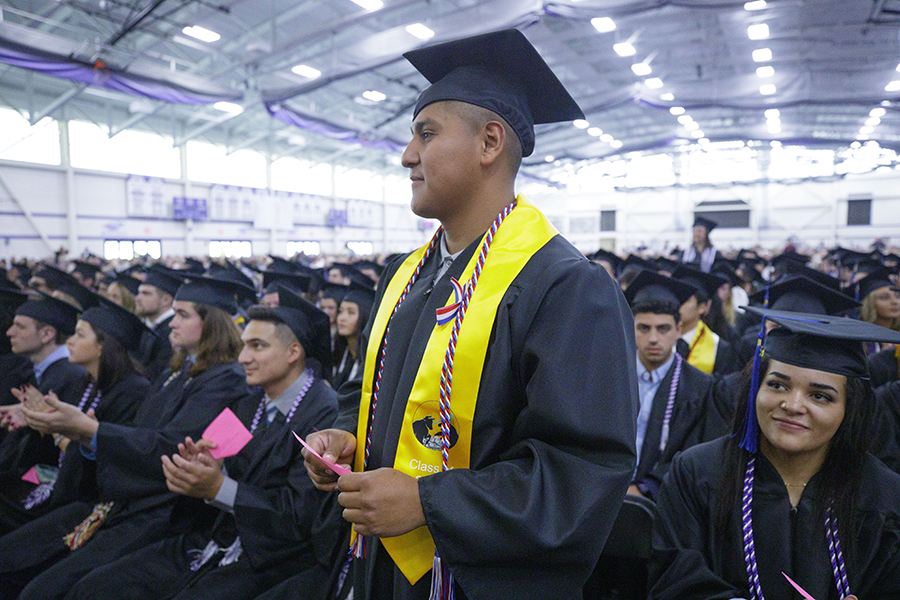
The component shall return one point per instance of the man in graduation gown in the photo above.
(518, 496)
(700, 345)
(262, 520)
(676, 398)
(884, 366)
(136, 505)
(153, 303)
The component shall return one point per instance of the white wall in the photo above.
(100, 204)
(813, 212)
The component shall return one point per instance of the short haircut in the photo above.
(61, 336)
(658, 307)
(477, 117)
(270, 315)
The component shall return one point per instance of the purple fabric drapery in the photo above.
(329, 130)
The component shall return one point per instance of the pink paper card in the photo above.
(228, 433)
(797, 587)
(31, 476)
(336, 468)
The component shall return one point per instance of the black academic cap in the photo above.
(787, 259)
(282, 265)
(5, 283)
(67, 284)
(666, 264)
(295, 281)
(849, 258)
(708, 283)
(797, 293)
(701, 221)
(875, 280)
(634, 260)
(725, 269)
(237, 275)
(52, 311)
(311, 326)
(501, 72)
(369, 264)
(12, 299)
(194, 266)
(164, 279)
(821, 342)
(649, 287)
(335, 291)
(114, 320)
(749, 271)
(361, 295)
(795, 269)
(244, 292)
(609, 257)
(219, 293)
(892, 258)
(86, 269)
(127, 281)
(215, 268)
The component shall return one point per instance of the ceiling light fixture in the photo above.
(762, 55)
(667, 97)
(369, 5)
(607, 138)
(603, 24)
(759, 31)
(201, 33)
(654, 83)
(616, 144)
(692, 126)
(581, 124)
(775, 128)
(641, 69)
(866, 129)
(229, 107)
(373, 95)
(873, 121)
(677, 110)
(767, 89)
(306, 71)
(703, 141)
(893, 86)
(697, 134)
(755, 5)
(624, 49)
(549, 158)
(685, 119)
(877, 112)
(766, 71)
(420, 31)
(773, 113)
(595, 131)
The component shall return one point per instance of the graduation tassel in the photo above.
(38, 495)
(766, 299)
(442, 587)
(750, 426)
(86, 528)
(232, 552)
(201, 557)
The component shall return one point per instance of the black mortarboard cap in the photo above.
(709, 283)
(797, 293)
(245, 293)
(311, 326)
(127, 281)
(215, 268)
(12, 299)
(666, 264)
(796, 269)
(649, 287)
(609, 257)
(750, 272)
(501, 72)
(164, 279)
(724, 268)
(52, 311)
(219, 293)
(194, 266)
(282, 265)
(295, 281)
(787, 259)
(875, 280)
(86, 269)
(810, 341)
(634, 260)
(67, 284)
(849, 258)
(237, 275)
(891, 259)
(369, 264)
(361, 295)
(114, 320)
(335, 291)
(701, 221)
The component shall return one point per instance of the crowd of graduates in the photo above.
(111, 373)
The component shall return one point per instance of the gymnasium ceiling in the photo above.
(832, 62)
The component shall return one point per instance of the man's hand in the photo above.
(335, 445)
(193, 471)
(62, 418)
(383, 503)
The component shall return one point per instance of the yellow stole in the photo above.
(703, 349)
(524, 231)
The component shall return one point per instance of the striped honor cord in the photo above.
(831, 533)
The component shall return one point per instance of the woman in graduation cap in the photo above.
(701, 253)
(792, 493)
(880, 299)
(113, 388)
(135, 508)
(353, 314)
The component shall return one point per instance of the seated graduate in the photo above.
(880, 297)
(793, 490)
(153, 303)
(675, 397)
(264, 520)
(886, 443)
(352, 317)
(701, 346)
(113, 389)
(15, 369)
(204, 378)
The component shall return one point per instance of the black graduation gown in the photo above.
(692, 422)
(886, 442)
(285, 524)
(15, 370)
(556, 408)
(883, 367)
(77, 477)
(129, 472)
(342, 375)
(155, 351)
(725, 361)
(725, 398)
(692, 560)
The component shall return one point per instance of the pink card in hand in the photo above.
(336, 468)
(797, 587)
(228, 433)
(31, 476)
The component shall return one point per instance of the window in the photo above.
(128, 249)
(131, 151)
(727, 214)
(607, 220)
(19, 140)
(234, 249)
(361, 248)
(357, 184)
(293, 175)
(307, 248)
(859, 211)
(210, 163)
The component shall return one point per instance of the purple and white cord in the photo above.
(670, 405)
(262, 405)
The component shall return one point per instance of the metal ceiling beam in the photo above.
(204, 128)
(248, 142)
(57, 103)
(27, 212)
(134, 120)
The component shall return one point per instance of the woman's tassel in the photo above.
(38, 495)
(442, 587)
(232, 553)
(86, 528)
(201, 557)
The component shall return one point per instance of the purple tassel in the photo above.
(442, 587)
(750, 426)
